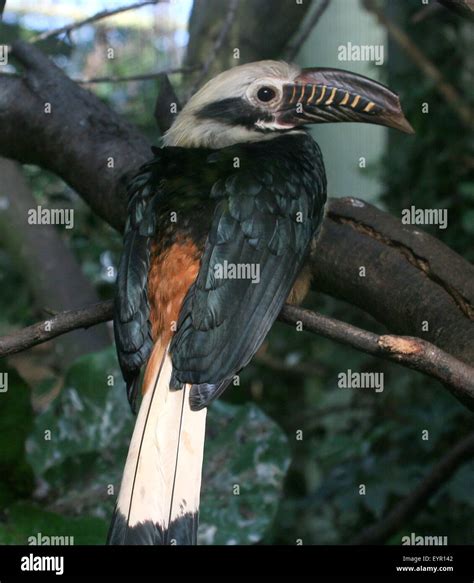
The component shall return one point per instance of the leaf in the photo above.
(90, 415)
(245, 461)
(90, 426)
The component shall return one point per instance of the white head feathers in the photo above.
(188, 130)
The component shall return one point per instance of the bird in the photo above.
(221, 223)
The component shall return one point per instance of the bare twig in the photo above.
(99, 16)
(462, 452)
(300, 38)
(220, 40)
(59, 324)
(445, 88)
(414, 353)
(142, 77)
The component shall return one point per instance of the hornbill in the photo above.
(238, 182)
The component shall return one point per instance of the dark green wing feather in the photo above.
(267, 213)
(131, 318)
(174, 180)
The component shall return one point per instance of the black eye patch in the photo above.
(233, 111)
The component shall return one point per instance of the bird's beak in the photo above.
(332, 95)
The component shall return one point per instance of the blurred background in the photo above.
(297, 447)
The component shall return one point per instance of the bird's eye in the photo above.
(266, 94)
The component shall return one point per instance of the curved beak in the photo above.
(323, 95)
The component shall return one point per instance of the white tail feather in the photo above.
(162, 476)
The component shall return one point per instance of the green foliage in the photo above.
(77, 449)
(246, 458)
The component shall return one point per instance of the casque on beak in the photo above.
(322, 95)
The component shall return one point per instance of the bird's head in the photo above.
(258, 101)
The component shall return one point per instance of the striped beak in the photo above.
(331, 95)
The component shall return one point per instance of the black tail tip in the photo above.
(182, 531)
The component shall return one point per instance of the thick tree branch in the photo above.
(94, 18)
(405, 510)
(411, 352)
(47, 119)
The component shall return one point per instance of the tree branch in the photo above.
(61, 323)
(131, 78)
(304, 32)
(405, 510)
(411, 352)
(82, 140)
(94, 18)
